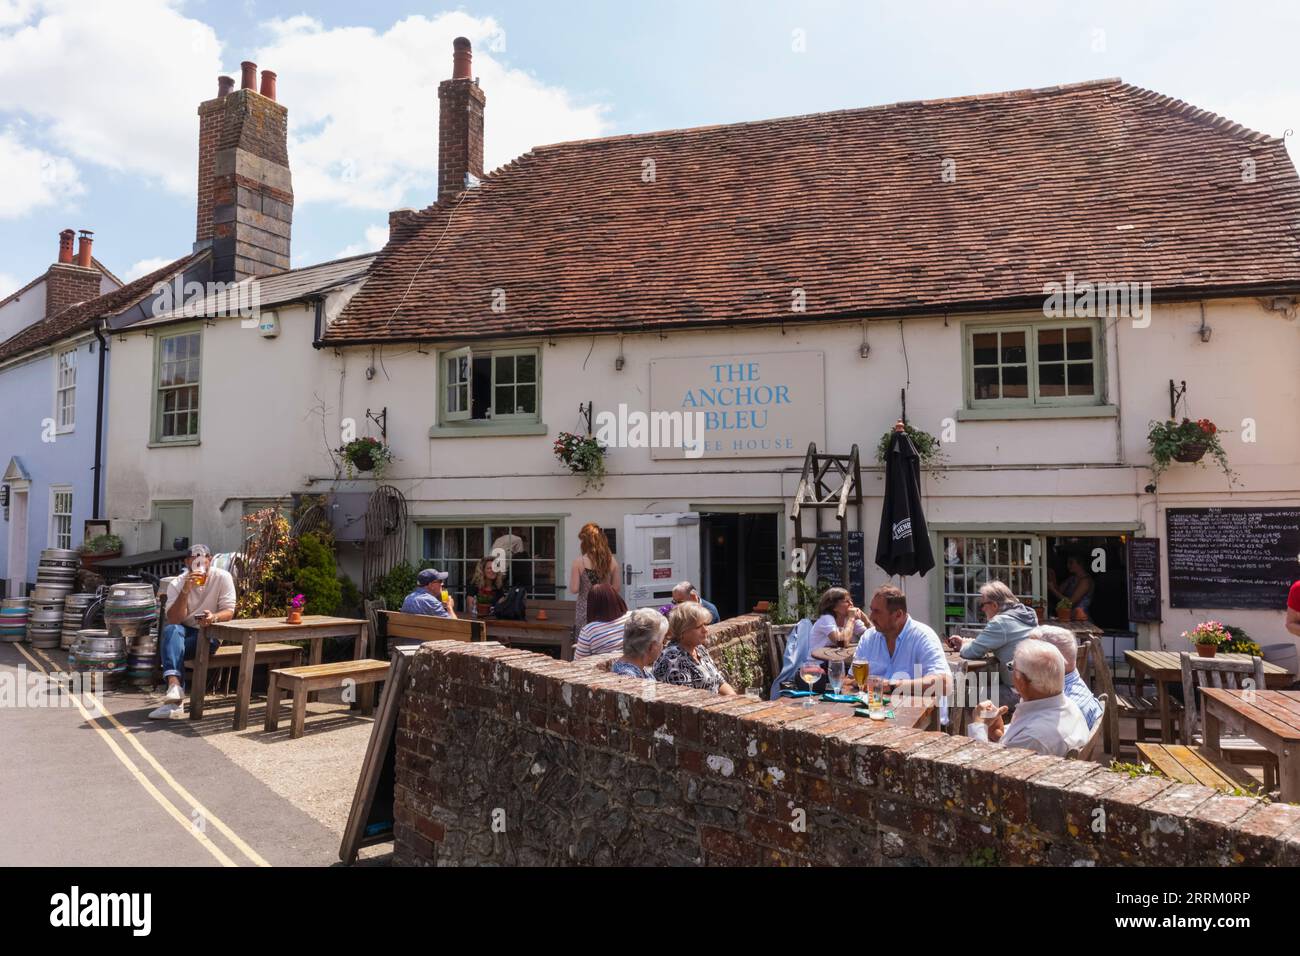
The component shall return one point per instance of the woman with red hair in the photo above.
(594, 566)
(603, 632)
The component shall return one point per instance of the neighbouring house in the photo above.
(53, 377)
(791, 280)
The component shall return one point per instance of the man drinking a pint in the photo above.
(202, 595)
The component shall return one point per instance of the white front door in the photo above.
(659, 551)
(17, 543)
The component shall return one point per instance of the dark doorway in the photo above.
(1104, 560)
(738, 560)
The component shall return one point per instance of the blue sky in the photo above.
(97, 97)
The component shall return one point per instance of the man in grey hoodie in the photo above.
(1009, 623)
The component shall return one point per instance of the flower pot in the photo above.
(1190, 453)
(89, 561)
(363, 461)
(1207, 650)
(1063, 614)
(1079, 614)
(1041, 614)
(483, 609)
(295, 617)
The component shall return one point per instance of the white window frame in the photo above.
(1032, 330)
(454, 389)
(1037, 545)
(64, 388)
(159, 411)
(55, 515)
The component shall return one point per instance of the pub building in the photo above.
(791, 282)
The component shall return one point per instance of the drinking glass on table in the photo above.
(861, 671)
(811, 674)
(835, 676)
(876, 695)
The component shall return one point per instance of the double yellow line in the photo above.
(198, 811)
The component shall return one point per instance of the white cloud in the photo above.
(143, 268)
(375, 238)
(7, 284)
(363, 105)
(32, 177)
(117, 84)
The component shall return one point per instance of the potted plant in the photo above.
(928, 448)
(1187, 442)
(1240, 643)
(295, 609)
(582, 456)
(100, 548)
(483, 601)
(365, 454)
(1207, 636)
(1063, 607)
(1079, 614)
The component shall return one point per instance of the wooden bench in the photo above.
(554, 633)
(402, 628)
(301, 681)
(226, 656)
(1196, 765)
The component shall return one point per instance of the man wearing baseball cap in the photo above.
(202, 595)
(429, 596)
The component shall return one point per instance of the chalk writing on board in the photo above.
(831, 556)
(1143, 561)
(1232, 557)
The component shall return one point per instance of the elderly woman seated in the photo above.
(685, 660)
(643, 641)
(1045, 721)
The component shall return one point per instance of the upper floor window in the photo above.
(495, 385)
(1056, 363)
(60, 517)
(177, 388)
(65, 390)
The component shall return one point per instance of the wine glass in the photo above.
(811, 674)
(835, 676)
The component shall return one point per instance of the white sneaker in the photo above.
(167, 712)
(174, 694)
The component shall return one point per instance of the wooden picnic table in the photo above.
(1165, 668)
(533, 633)
(1271, 718)
(921, 717)
(261, 630)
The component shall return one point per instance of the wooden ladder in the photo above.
(818, 491)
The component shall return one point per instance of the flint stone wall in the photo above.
(512, 758)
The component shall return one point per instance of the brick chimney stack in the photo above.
(245, 193)
(460, 123)
(71, 280)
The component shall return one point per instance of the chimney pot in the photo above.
(268, 84)
(224, 85)
(462, 57)
(248, 81)
(65, 246)
(83, 248)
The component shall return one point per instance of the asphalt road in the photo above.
(81, 789)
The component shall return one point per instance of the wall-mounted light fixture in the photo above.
(1204, 331)
(864, 349)
(620, 361)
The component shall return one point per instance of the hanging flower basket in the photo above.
(365, 454)
(582, 456)
(1186, 442)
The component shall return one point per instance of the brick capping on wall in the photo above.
(509, 757)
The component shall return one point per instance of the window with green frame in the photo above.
(971, 561)
(176, 387)
(529, 550)
(492, 385)
(1028, 364)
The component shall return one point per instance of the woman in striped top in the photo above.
(603, 632)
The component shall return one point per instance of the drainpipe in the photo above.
(99, 418)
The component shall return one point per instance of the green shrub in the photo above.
(316, 575)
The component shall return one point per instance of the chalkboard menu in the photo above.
(831, 556)
(1143, 560)
(1232, 557)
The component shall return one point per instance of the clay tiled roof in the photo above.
(1104, 180)
(83, 315)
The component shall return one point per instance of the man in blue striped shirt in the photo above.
(1075, 689)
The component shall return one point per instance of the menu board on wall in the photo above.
(830, 558)
(1143, 560)
(1241, 558)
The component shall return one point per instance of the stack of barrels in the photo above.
(98, 652)
(74, 609)
(13, 620)
(56, 576)
(131, 616)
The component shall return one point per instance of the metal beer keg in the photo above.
(13, 620)
(45, 623)
(74, 607)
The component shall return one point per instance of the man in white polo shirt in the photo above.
(1045, 721)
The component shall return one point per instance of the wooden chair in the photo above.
(778, 635)
(1141, 709)
(299, 682)
(1223, 674)
(1091, 749)
(372, 609)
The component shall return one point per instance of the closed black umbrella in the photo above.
(904, 544)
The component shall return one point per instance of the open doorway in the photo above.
(1095, 567)
(739, 561)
